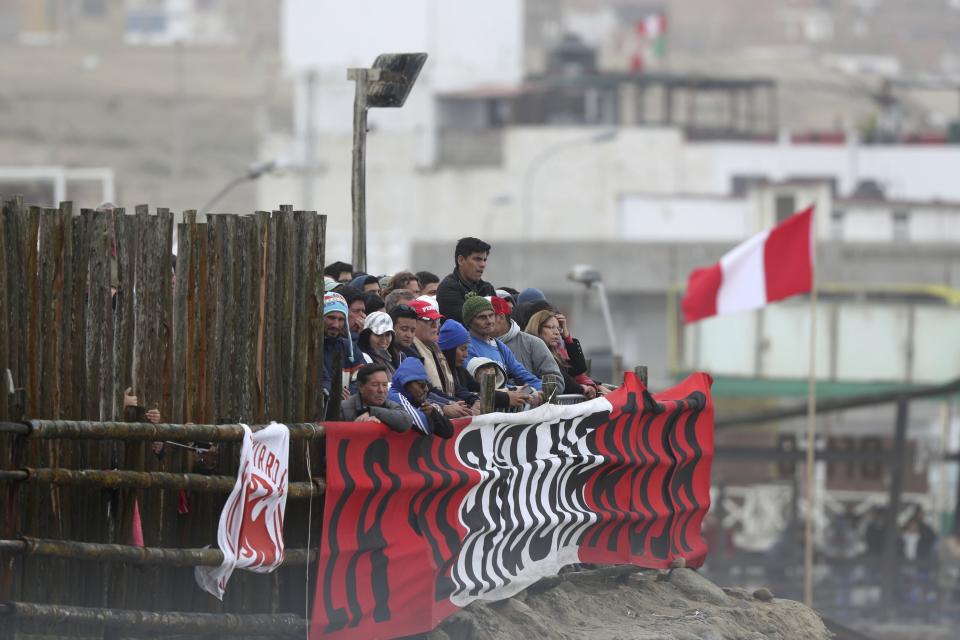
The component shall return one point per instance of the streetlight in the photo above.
(593, 279)
(599, 137)
(386, 84)
(254, 171)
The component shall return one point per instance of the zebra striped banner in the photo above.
(417, 527)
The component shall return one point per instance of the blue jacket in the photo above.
(501, 353)
(409, 370)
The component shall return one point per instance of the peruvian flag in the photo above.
(772, 265)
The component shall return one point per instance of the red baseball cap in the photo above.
(500, 306)
(425, 309)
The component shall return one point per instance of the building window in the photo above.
(786, 206)
(901, 226)
(836, 224)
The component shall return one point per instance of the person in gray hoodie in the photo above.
(529, 350)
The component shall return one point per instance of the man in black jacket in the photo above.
(471, 260)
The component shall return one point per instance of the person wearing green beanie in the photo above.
(480, 316)
(472, 305)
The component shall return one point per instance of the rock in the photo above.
(527, 618)
(738, 593)
(678, 604)
(763, 594)
(696, 587)
(678, 563)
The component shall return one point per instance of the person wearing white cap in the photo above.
(375, 340)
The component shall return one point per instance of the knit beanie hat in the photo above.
(452, 335)
(333, 302)
(472, 305)
(530, 294)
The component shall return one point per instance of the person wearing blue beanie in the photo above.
(335, 313)
(452, 335)
(530, 294)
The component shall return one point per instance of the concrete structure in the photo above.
(174, 116)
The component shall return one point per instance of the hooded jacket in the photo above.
(530, 351)
(499, 352)
(410, 370)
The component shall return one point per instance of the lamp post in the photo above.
(593, 279)
(386, 84)
(530, 175)
(254, 171)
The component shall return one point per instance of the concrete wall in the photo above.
(554, 184)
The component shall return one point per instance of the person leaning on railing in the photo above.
(547, 326)
(371, 404)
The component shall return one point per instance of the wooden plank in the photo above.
(285, 308)
(45, 356)
(227, 312)
(16, 297)
(204, 412)
(298, 354)
(178, 374)
(126, 247)
(4, 326)
(66, 292)
(78, 360)
(273, 405)
(262, 223)
(245, 340)
(29, 234)
(165, 317)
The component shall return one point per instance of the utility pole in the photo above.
(386, 84)
(358, 185)
(309, 139)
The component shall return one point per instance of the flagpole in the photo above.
(810, 488)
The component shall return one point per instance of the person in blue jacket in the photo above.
(478, 317)
(410, 389)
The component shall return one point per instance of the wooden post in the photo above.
(891, 557)
(487, 392)
(552, 387)
(641, 372)
(359, 182)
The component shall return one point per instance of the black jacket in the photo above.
(452, 291)
(578, 365)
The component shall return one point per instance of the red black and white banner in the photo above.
(250, 534)
(416, 527)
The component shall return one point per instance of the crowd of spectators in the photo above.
(410, 349)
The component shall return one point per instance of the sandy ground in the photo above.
(619, 604)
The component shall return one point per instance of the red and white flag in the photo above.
(251, 523)
(772, 265)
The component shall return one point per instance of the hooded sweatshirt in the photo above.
(499, 352)
(530, 351)
(410, 370)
